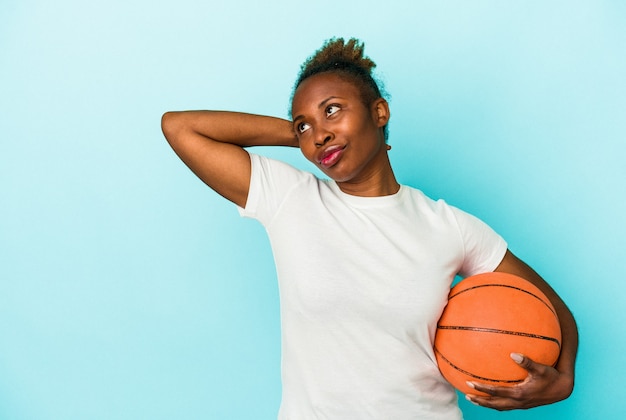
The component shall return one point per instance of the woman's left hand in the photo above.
(543, 385)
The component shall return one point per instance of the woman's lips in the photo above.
(330, 156)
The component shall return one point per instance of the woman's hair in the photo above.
(345, 59)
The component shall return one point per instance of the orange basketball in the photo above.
(488, 317)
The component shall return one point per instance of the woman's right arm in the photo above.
(211, 144)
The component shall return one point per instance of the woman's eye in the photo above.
(302, 127)
(331, 109)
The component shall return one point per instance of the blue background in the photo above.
(129, 290)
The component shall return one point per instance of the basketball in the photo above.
(488, 317)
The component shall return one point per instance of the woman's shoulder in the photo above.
(277, 167)
(269, 174)
(420, 198)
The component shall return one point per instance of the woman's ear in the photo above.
(380, 111)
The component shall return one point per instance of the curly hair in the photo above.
(346, 59)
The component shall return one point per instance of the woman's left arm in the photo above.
(544, 384)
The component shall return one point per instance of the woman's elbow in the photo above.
(170, 125)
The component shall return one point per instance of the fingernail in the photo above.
(468, 398)
(518, 358)
(471, 385)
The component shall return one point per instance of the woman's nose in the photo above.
(323, 138)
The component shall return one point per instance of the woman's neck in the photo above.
(377, 183)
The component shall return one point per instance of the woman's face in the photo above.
(337, 131)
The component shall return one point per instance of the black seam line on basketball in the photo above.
(498, 331)
(481, 378)
(504, 285)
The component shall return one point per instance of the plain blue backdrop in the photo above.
(129, 290)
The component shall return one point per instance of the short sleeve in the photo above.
(484, 249)
(271, 182)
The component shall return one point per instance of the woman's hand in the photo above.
(543, 385)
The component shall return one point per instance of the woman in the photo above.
(364, 264)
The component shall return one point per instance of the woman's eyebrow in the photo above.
(320, 105)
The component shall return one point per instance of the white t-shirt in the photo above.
(363, 282)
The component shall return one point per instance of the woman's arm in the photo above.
(544, 384)
(211, 144)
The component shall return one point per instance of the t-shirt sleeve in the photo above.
(271, 181)
(484, 249)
